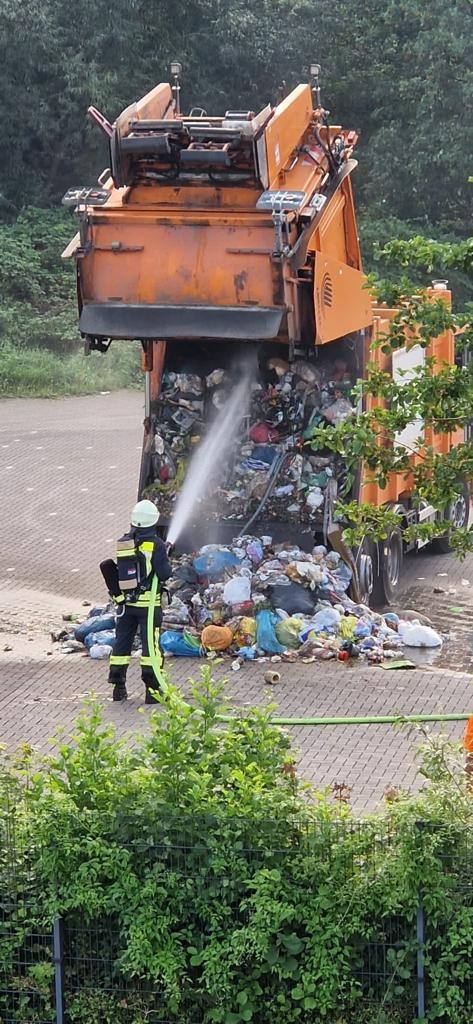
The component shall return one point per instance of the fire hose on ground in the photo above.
(381, 720)
(365, 720)
(156, 663)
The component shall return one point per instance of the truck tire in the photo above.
(457, 515)
(388, 568)
(365, 560)
(379, 565)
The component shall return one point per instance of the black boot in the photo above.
(150, 697)
(151, 684)
(119, 692)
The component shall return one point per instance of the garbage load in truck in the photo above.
(273, 470)
(214, 237)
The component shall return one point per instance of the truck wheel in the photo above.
(379, 568)
(388, 566)
(365, 559)
(457, 515)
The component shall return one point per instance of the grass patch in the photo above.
(41, 373)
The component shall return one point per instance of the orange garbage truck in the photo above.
(210, 239)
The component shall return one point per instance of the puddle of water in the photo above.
(456, 629)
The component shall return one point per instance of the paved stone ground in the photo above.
(68, 476)
(69, 471)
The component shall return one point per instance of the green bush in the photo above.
(38, 305)
(199, 880)
(40, 346)
(31, 268)
(378, 231)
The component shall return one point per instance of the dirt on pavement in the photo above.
(26, 620)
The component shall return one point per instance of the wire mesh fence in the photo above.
(207, 898)
(26, 939)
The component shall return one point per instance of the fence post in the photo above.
(58, 970)
(420, 964)
(420, 936)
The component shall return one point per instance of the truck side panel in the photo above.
(442, 350)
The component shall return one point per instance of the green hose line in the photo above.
(369, 720)
(150, 631)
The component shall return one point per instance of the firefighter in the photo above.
(141, 554)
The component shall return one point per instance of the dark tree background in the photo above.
(400, 71)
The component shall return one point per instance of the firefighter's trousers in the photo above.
(132, 619)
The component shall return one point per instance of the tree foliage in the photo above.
(399, 71)
(404, 81)
(37, 300)
(40, 345)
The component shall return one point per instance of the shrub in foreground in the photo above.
(197, 879)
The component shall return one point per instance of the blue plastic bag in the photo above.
(367, 644)
(264, 453)
(99, 609)
(248, 653)
(341, 578)
(212, 564)
(94, 625)
(104, 636)
(326, 620)
(266, 639)
(362, 629)
(181, 644)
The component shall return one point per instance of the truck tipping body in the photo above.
(238, 227)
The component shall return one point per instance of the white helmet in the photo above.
(144, 513)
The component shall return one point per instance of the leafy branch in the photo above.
(427, 254)
(438, 396)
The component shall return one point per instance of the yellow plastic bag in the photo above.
(347, 626)
(246, 632)
(287, 632)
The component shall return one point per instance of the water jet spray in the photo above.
(208, 462)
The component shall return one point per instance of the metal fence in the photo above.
(71, 968)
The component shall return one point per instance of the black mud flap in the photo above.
(120, 320)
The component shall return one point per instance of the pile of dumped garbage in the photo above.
(255, 600)
(275, 459)
(94, 636)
